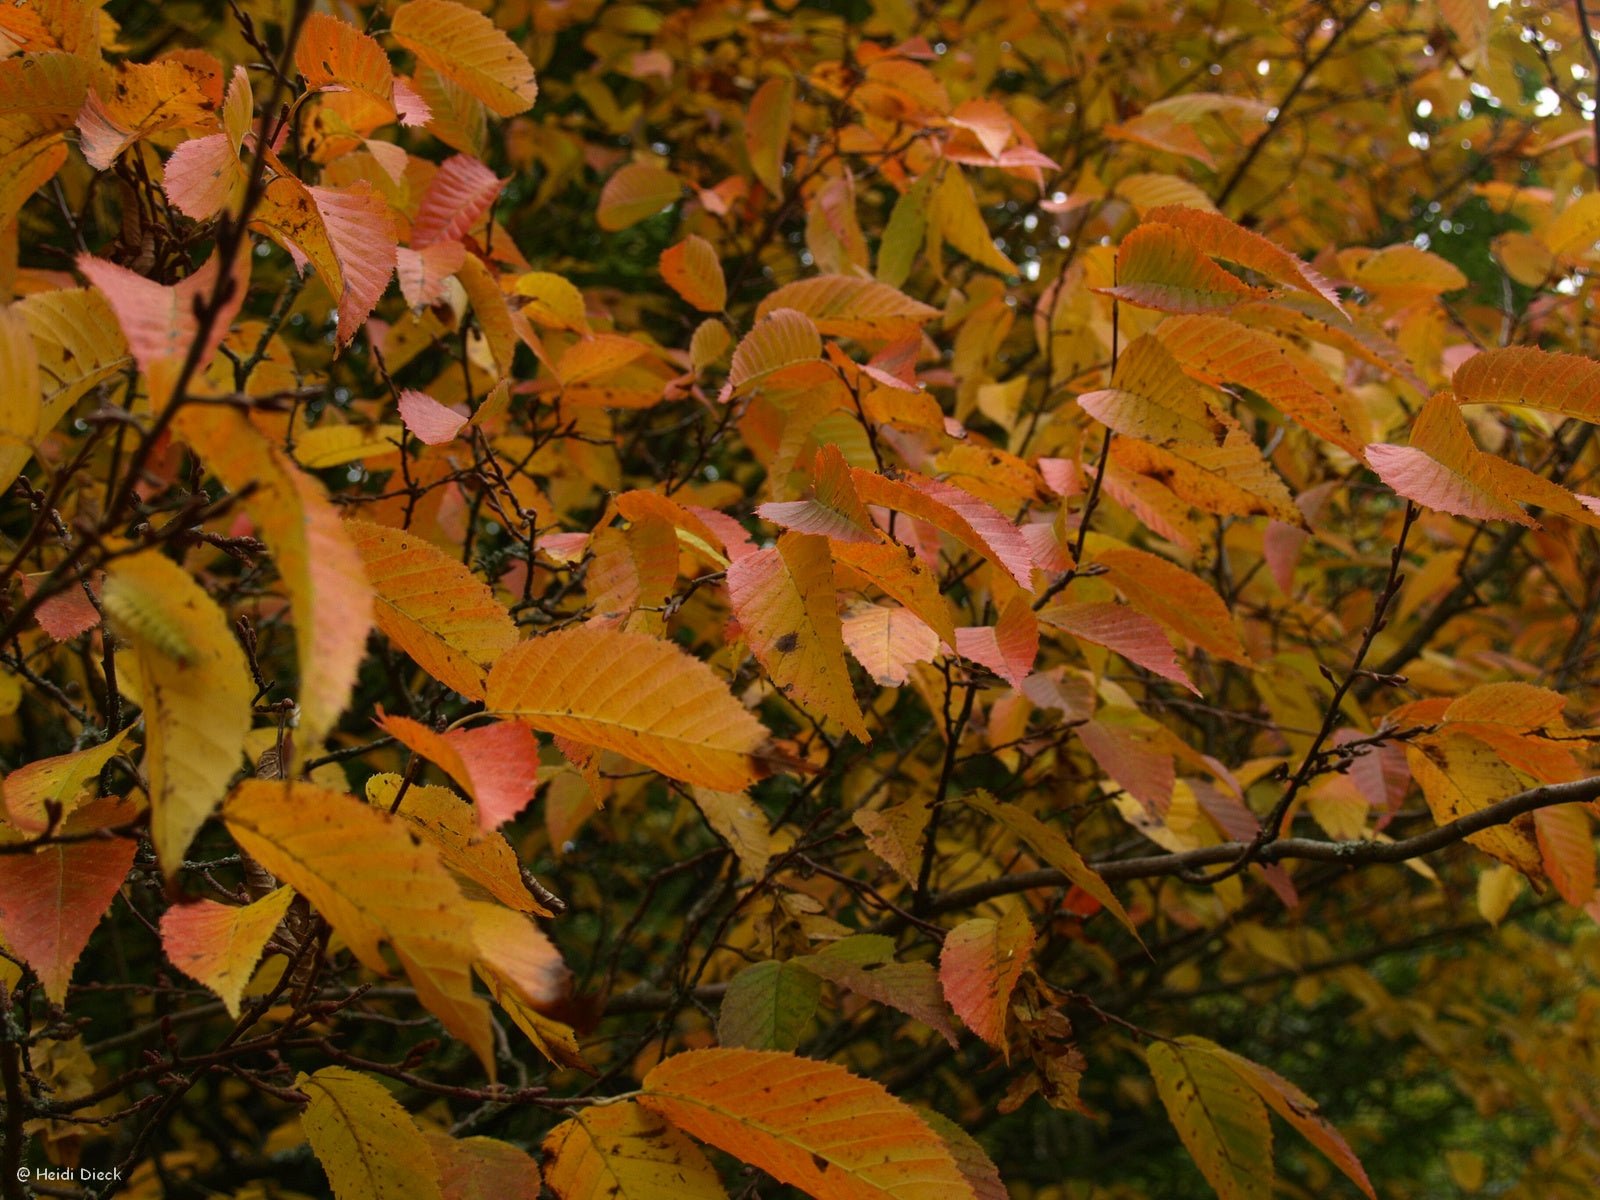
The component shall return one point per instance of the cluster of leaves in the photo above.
(754, 598)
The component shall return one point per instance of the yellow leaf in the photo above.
(624, 1152)
(376, 882)
(1151, 399)
(194, 687)
(788, 610)
(851, 307)
(1052, 845)
(219, 944)
(766, 130)
(1222, 1121)
(62, 780)
(693, 270)
(467, 48)
(1159, 267)
(433, 607)
(634, 193)
(336, 445)
(553, 301)
(953, 214)
(369, 1146)
(636, 695)
(311, 549)
(482, 860)
(19, 396)
(1460, 775)
(809, 1124)
(1568, 384)
(78, 343)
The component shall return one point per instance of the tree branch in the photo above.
(1351, 853)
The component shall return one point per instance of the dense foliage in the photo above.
(853, 598)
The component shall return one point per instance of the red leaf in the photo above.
(1117, 627)
(51, 900)
(429, 421)
(458, 195)
(497, 764)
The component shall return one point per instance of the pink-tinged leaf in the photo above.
(158, 321)
(461, 191)
(203, 176)
(424, 273)
(219, 944)
(52, 899)
(1221, 238)
(1008, 647)
(979, 966)
(787, 607)
(1132, 750)
(974, 523)
(497, 765)
(362, 229)
(834, 510)
(430, 422)
(886, 641)
(1412, 473)
(1566, 843)
(411, 107)
(1118, 627)
(60, 782)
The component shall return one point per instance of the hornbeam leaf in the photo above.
(636, 695)
(468, 49)
(1221, 238)
(788, 610)
(220, 944)
(625, 1152)
(635, 192)
(433, 607)
(369, 1146)
(461, 191)
(1222, 1121)
(312, 550)
(376, 882)
(479, 858)
(852, 307)
(810, 1124)
(194, 687)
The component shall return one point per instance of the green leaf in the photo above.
(768, 1006)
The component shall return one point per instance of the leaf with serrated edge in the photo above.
(220, 944)
(625, 1152)
(51, 900)
(811, 1124)
(768, 1006)
(196, 697)
(634, 694)
(787, 608)
(1052, 845)
(1220, 1119)
(367, 1144)
(979, 965)
(433, 607)
(376, 882)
